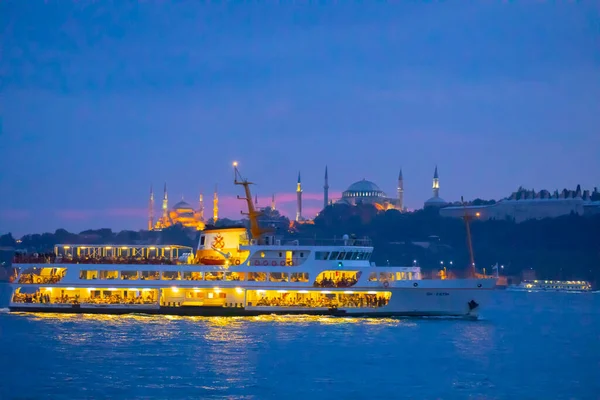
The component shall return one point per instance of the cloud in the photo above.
(291, 197)
(229, 206)
(82, 215)
(135, 217)
(127, 212)
(77, 215)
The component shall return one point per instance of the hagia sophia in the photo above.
(367, 192)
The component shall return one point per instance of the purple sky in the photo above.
(98, 103)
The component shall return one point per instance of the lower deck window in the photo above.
(315, 299)
(257, 276)
(192, 276)
(278, 277)
(171, 276)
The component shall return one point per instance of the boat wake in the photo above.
(4, 310)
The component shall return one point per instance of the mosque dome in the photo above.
(363, 188)
(182, 205)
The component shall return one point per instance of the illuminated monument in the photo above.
(436, 200)
(367, 192)
(181, 213)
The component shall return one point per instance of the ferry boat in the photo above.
(237, 272)
(552, 286)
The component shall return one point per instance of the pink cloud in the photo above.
(310, 212)
(126, 212)
(14, 215)
(77, 215)
(230, 206)
(290, 197)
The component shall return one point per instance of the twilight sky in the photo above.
(97, 103)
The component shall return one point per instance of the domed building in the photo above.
(184, 214)
(367, 192)
(181, 213)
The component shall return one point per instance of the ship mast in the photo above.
(255, 230)
(469, 242)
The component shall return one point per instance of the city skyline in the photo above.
(101, 103)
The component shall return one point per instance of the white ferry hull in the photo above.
(456, 298)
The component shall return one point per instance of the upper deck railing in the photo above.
(108, 254)
(306, 242)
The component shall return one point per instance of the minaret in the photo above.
(151, 210)
(256, 201)
(215, 206)
(299, 199)
(273, 202)
(165, 206)
(436, 183)
(326, 190)
(400, 191)
(201, 207)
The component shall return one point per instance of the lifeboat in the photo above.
(208, 260)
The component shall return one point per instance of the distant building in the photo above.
(524, 205)
(367, 192)
(181, 213)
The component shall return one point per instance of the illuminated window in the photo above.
(213, 276)
(257, 276)
(299, 277)
(86, 274)
(235, 276)
(192, 276)
(129, 275)
(278, 277)
(150, 275)
(171, 275)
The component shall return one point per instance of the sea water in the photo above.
(525, 346)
